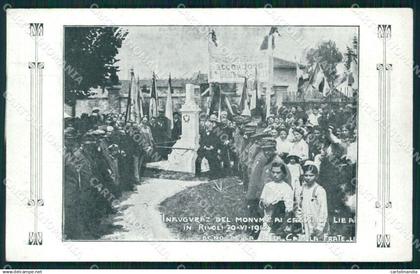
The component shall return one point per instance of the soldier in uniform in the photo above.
(90, 205)
(254, 149)
(72, 219)
(256, 184)
(249, 130)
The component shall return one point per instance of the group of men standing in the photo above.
(104, 156)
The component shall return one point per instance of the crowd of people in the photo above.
(298, 162)
(105, 155)
(313, 150)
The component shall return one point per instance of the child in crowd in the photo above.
(313, 207)
(293, 164)
(277, 201)
(282, 144)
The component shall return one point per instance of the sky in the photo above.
(183, 50)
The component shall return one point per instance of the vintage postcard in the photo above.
(209, 135)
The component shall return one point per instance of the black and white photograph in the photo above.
(210, 133)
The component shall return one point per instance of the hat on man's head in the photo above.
(239, 119)
(267, 143)
(250, 129)
(260, 135)
(95, 109)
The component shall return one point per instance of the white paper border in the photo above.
(19, 217)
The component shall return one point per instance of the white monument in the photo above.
(184, 152)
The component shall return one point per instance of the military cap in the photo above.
(249, 130)
(88, 139)
(267, 142)
(260, 135)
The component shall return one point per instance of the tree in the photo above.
(90, 60)
(328, 56)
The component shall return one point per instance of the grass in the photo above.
(206, 200)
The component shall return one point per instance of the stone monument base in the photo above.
(180, 160)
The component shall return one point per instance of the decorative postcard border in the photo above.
(383, 202)
(35, 190)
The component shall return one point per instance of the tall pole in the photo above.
(270, 76)
(127, 112)
(209, 76)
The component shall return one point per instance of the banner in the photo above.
(225, 68)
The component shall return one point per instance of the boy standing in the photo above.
(313, 205)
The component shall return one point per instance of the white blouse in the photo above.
(275, 192)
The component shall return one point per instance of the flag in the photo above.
(324, 87)
(256, 105)
(342, 85)
(168, 109)
(215, 98)
(264, 44)
(229, 106)
(153, 98)
(129, 99)
(139, 99)
(213, 37)
(254, 97)
(302, 80)
(319, 81)
(354, 75)
(244, 104)
(133, 116)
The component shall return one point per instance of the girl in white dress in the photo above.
(277, 196)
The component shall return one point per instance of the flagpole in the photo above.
(270, 77)
(129, 96)
(210, 84)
